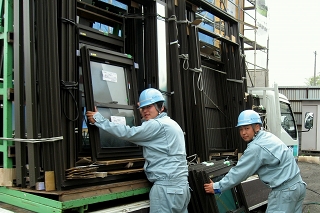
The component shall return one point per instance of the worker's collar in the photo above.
(255, 135)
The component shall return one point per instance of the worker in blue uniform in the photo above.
(269, 158)
(164, 151)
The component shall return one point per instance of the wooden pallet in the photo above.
(86, 192)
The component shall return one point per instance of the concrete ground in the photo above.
(310, 173)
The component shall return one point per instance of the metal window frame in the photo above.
(97, 54)
(93, 37)
(112, 17)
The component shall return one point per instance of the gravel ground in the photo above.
(310, 173)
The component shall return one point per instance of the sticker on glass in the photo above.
(109, 76)
(118, 120)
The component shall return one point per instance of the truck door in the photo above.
(309, 140)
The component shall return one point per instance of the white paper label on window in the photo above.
(118, 120)
(109, 76)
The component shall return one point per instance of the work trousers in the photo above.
(169, 197)
(288, 199)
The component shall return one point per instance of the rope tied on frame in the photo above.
(174, 18)
(199, 81)
(185, 58)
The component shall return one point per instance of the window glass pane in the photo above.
(108, 83)
(207, 23)
(116, 3)
(106, 29)
(121, 115)
(109, 86)
(287, 120)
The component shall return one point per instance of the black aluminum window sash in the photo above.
(69, 75)
(115, 58)
(230, 70)
(185, 76)
(197, 96)
(19, 91)
(253, 193)
(103, 13)
(85, 151)
(202, 202)
(216, 108)
(114, 106)
(30, 73)
(91, 12)
(110, 7)
(174, 61)
(211, 8)
(110, 56)
(54, 104)
(94, 37)
(216, 36)
(151, 48)
(202, 173)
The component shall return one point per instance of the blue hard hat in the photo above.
(248, 117)
(150, 96)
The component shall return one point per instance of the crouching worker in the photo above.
(267, 156)
(164, 151)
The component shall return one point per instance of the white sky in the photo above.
(294, 36)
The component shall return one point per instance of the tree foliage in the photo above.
(310, 80)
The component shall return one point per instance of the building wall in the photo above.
(296, 94)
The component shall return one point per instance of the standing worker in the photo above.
(267, 156)
(164, 151)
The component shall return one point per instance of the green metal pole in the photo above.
(1, 19)
(7, 79)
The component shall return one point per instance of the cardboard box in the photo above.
(7, 175)
(49, 181)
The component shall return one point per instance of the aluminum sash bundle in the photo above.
(38, 79)
(228, 201)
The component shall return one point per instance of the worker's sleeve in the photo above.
(248, 164)
(134, 134)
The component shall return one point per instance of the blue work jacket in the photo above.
(269, 158)
(163, 145)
